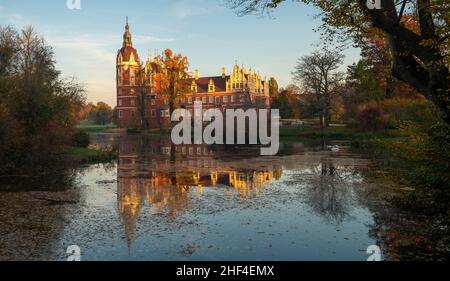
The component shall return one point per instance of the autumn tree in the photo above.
(85, 111)
(142, 95)
(318, 75)
(419, 59)
(273, 87)
(288, 102)
(375, 54)
(174, 78)
(38, 108)
(103, 113)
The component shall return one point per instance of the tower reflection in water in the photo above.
(154, 173)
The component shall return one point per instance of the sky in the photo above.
(210, 34)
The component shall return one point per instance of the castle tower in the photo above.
(127, 73)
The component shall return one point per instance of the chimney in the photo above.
(196, 74)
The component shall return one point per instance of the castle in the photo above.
(141, 102)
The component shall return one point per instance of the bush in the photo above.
(418, 111)
(81, 139)
(372, 117)
(423, 156)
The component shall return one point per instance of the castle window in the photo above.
(233, 99)
(153, 112)
(217, 100)
(132, 102)
(204, 100)
(165, 113)
(132, 77)
(189, 100)
(211, 100)
(120, 102)
(120, 113)
(133, 113)
(153, 101)
(225, 99)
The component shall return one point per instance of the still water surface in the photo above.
(163, 202)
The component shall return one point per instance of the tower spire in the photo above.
(127, 35)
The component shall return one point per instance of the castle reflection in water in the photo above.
(154, 173)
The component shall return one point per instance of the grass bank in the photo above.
(91, 128)
(336, 133)
(90, 155)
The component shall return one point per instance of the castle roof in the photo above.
(127, 51)
(220, 83)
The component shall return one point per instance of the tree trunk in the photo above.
(433, 83)
(419, 65)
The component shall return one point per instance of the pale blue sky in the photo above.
(211, 35)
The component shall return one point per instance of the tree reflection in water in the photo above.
(327, 193)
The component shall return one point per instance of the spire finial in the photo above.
(127, 26)
(127, 35)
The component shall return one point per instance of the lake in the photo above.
(158, 201)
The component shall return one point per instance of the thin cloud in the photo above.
(13, 19)
(143, 39)
(184, 9)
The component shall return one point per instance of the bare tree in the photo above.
(319, 76)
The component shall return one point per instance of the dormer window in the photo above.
(211, 86)
(194, 87)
